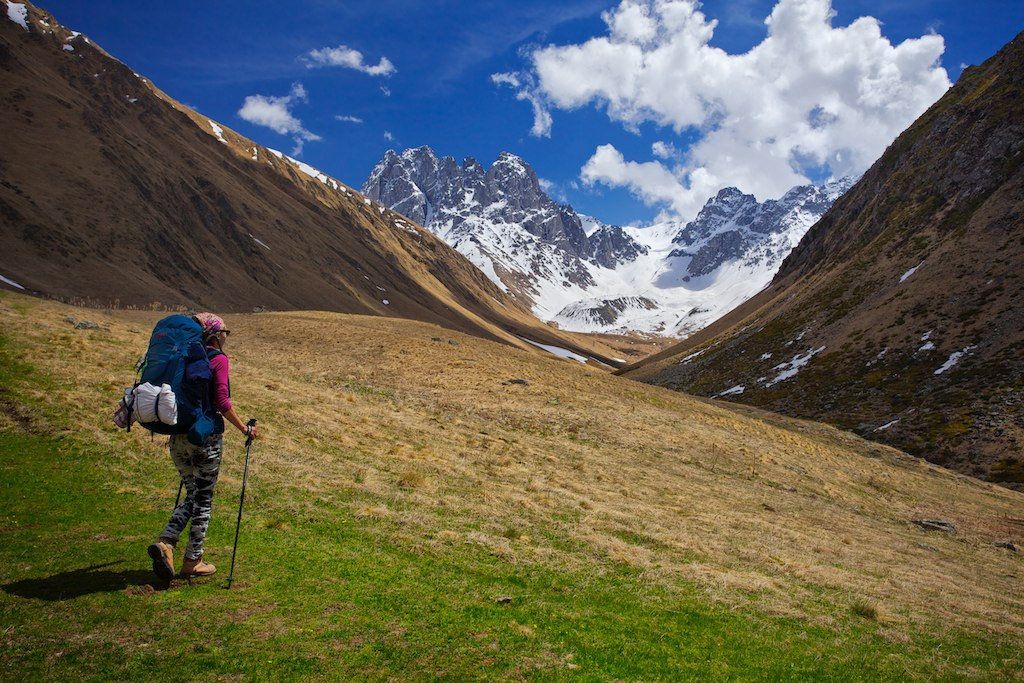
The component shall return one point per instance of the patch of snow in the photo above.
(790, 369)
(765, 356)
(385, 302)
(18, 13)
(217, 131)
(255, 153)
(259, 241)
(557, 350)
(11, 282)
(686, 360)
(68, 48)
(279, 155)
(732, 391)
(314, 173)
(132, 100)
(927, 335)
(887, 425)
(927, 346)
(954, 358)
(910, 272)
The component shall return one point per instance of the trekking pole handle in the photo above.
(250, 424)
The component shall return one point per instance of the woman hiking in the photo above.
(199, 465)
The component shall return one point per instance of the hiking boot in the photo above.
(162, 553)
(197, 568)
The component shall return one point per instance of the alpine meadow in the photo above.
(599, 340)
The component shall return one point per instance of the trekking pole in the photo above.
(241, 499)
(177, 498)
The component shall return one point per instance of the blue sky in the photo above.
(214, 55)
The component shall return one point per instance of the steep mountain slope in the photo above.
(900, 313)
(670, 278)
(112, 192)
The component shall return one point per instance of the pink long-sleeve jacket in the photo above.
(220, 383)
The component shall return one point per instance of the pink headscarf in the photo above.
(212, 324)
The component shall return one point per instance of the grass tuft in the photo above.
(864, 609)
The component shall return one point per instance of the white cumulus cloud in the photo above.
(275, 113)
(347, 58)
(664, 150)
(810, 96)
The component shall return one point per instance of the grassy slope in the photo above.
(634, 530)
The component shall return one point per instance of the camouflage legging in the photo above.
(199, 467)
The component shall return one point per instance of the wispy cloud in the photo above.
(275, 113)
(346, 118)
(347, 58)
(388, 136)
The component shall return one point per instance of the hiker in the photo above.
(199, 465)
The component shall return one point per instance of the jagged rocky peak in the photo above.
(611, 246)
(729, 206)
(733, 225)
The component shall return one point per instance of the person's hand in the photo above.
(251, 431)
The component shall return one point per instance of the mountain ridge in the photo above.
(586, 275)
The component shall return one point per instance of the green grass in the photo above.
(321, 594)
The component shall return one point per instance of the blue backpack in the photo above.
(177, 357)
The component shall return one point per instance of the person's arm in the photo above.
(231, 416)
(221, 399)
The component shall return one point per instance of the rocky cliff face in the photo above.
(500, 215)
(899, 314)
(586, 275)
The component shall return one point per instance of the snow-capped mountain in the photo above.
(670, 278)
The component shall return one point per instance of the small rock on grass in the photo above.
(503, 599)
(86, 325)
(517, 380)
(1009, 545)
(936, 525)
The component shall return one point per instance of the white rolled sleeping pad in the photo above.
(155, 404)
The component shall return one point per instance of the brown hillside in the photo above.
(113, 193)
(899, 314)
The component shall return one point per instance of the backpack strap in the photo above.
(212, 353)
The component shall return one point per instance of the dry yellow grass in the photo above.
(578, 468)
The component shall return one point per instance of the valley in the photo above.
(558, 514)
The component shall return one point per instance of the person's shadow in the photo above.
(78, 582)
